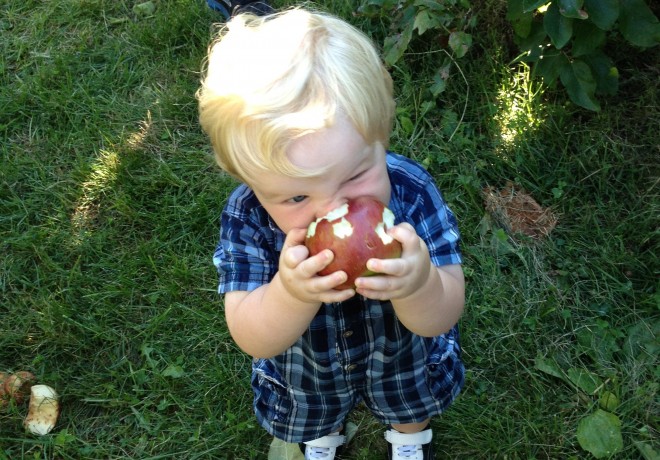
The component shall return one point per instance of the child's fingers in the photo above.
(294, 251)
(393, 267)
(337, 296)
(295, 237)
(312, 265)
(326, 286)
(378, 283)
(404, 233)
(293, 256)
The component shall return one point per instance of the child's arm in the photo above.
(428, 300)
(268, 320)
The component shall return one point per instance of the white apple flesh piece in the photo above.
(355, 232)
(43, 411)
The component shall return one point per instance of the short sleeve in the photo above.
(247, 254)
(417, 200)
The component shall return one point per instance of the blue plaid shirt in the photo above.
(377, 350)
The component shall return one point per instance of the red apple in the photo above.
(3, 393)
(17, 386)
(355, 232)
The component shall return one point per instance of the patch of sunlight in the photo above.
(102, 177)
(136, 140)
(519, 107)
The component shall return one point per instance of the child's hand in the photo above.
(298, 272)
(398, 278)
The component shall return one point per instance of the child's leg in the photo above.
(411, 427)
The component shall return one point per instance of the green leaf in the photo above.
(606, 75)
(423, 22)
(572, 9)
(638, 24)
(535, 43)
(580, 85)
(369, 10)
(514, 10)
(549, 367)
(643, 342)
(145, 9)
(439, 85)
(375, 8)
(397, 44)
(434, 5)
(63, 438)
(603, 13)
(522, 25)
(531, 5)
(449, 122)
(586, 381)
(600, 341)
(558, 27)
(174, 371)
(549, 66)
(406, 124)
(608, 401)
(460, 43)
(647, 451)
(587, 38)
(600, 434)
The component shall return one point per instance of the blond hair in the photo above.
(271, 80)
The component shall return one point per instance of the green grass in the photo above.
(109, 205)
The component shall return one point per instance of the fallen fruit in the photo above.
(3, 394)
(17, 386)
(43, 411)
(355, 232)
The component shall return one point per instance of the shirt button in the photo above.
(347, 334)
(351, 367)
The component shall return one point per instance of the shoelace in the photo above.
(317, 452)
(406, 451)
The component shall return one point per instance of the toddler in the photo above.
(298, 107)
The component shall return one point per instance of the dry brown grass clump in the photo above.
(518, 212)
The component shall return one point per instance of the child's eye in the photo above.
(357, 176)
(297, 198)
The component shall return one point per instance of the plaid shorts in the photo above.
(353, 352)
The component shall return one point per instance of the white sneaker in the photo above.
(414, 446)
(324, 448)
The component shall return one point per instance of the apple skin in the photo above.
(17, 386)
(355, 232)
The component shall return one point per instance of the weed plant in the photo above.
(109, 206)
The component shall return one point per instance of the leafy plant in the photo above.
(566, 40)
(444, 23)
(600, 434)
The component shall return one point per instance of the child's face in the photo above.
(355, 169)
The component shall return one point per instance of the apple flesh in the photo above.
(43, 411)
(355, 232)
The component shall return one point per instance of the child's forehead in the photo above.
(329, 169)
(337, 144)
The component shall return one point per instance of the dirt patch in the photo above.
(518, 212)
